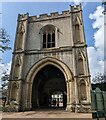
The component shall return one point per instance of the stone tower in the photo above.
(49, 58)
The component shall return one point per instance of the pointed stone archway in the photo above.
(49, 88)
(68, 76)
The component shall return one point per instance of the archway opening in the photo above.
(56, 99)
(49, 88)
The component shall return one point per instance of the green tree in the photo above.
(104, 2)
(4, 46)
(4, 83)
(4, 40)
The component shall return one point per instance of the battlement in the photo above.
(23, 16)
(53, 15)
(73, 9)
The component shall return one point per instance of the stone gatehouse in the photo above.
(50, 62)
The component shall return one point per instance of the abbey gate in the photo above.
(50, 63)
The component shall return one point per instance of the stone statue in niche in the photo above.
(18, 61)
(21, 28)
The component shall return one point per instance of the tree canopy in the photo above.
(4, 40)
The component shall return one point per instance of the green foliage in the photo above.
(4, 41)
(104, 2)
(5, 78)
(4, 83)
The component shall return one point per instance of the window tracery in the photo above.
(48, 33)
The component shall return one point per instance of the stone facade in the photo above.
(67, 51)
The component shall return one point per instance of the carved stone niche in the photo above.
(77, 24)
(21, 28)
(18, 61)
(20, 33)
(14, 89)
(17, 66)
(80, 64)
(83, 94)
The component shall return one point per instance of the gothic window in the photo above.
(49, 40)
(53, 40)
(44, 41)
(83, 95)
(48, 33)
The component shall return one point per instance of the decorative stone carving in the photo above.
(80, 64)
(17, 67)
(77, 24)
(79, 54)
(77, 32)
(18, 61)
(14, 89)
(21, 28)
(82, 85)
(77, 19)
(83, 53)
(20, 32)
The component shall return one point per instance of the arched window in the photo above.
(49, 40)
(48, 33)
(44, 41)
(53, 40)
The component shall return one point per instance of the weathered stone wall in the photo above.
(63, 39)
(69, 55)
(34, 38)
(65, 56)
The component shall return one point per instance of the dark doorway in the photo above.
(49, 82)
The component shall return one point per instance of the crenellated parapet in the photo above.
(53, 15)
(75, 9)
(22, 17)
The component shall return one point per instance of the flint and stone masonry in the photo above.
(50, 55)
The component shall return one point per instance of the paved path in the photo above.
(45, 114)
